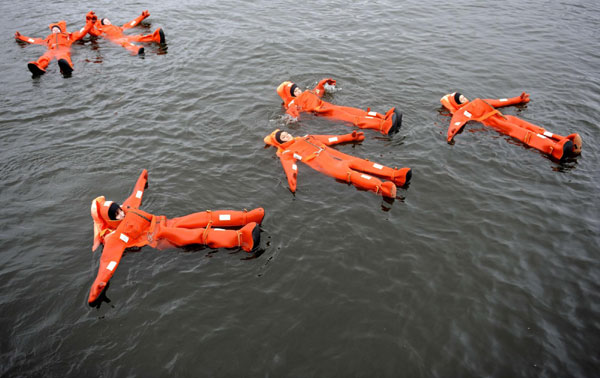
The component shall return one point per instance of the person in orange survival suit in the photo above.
(485, 112)
(58, 44)
(296, 101)
(120, 227)
(314, 151)
(103, 27)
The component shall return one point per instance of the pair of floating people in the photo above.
(118, 227)
(59, 42)
(484, 111)
(314, 150)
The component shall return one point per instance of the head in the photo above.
(287, 91)
(105, 21)
(115, 212)
(58, 27)
(295, 91)
(278, 137)
(283, 136)
(460, 99)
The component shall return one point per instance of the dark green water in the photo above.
(486, 266)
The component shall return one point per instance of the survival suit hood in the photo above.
(102, 221)
(285, 91)
(62, 25)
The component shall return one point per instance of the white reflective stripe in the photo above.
(296, 156)
(111, 265)
(225, 217)
(366, 176)
(548, 134)
(139, 194)
(218, 229)
(378, 166)
(291, 102)
(456, 123)
(81, 30)
(468, 114)
(132, 23)
(372, 113)
(333, 139)
(369, 117)
(541, 136)
(294, 167)
(108, 203)
(503, 99)
(31, 40)
(124, 237)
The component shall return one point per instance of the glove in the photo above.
(17, 34)
(358, 135)
(145, 13)
(91, 16)
(524, 97)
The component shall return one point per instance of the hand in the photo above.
(330, 81)
(524, 97)
(145, 13)
(91, 16)
(17, 34)
(358, 135)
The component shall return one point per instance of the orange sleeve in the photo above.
(522, 99)
(76, 36)
(319, 89)
(330, 140)
(136, 21)
(293, 111)
(135, 199)
(35, 41)
(290, 168)
(111, 256)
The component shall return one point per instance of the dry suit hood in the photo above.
(62, 25)
(102, 222)
(284, 91)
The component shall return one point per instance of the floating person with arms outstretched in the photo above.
(484, 111)
(314, 151)
(104, 28)
(296, 101)
(59, 46)
(118, 227)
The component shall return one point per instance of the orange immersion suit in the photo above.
(139, 228)
(58, 44)
(115, 34)
(532, 135)
(310, 101)
(314, 151)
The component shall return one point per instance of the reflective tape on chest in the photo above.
(124, 237)
(224, 217)
(296, 156)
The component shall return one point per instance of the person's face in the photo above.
(297, 92)
(463, 99)
(285, 136)
(120, 214)
(55, 30)
(106, 21)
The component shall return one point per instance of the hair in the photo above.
(292, 89)
(112, 211)
(457, 98)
